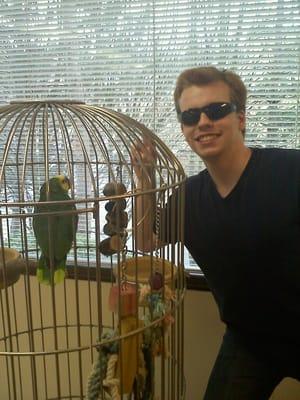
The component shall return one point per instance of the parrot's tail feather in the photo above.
(44, 274)
(59, 275)
(60, 271)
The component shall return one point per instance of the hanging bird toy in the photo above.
(117, 220)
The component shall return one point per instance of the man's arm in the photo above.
(144, 160)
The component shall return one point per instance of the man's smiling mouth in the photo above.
(206, 138)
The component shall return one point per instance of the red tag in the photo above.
(127, 295)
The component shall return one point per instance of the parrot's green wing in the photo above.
(41, 231)
(64, 229)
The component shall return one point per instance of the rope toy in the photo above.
(103, 366)
(110, 381)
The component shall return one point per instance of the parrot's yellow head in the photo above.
(57, 184)
(60, 182)
(64, 182)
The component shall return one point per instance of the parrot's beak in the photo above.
(68, 183)
(65, 183)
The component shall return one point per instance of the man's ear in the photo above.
(242, 120)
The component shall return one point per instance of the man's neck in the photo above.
(226, 171)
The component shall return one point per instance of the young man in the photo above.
(242, 226)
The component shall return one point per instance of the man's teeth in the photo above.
(206, 138)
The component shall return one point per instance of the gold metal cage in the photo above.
(76, 339)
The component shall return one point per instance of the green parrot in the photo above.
(57, 231)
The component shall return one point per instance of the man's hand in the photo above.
(144, 156)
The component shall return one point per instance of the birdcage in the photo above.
(85, 313)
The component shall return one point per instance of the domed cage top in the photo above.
(61, 336)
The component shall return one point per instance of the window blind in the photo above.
(126, 55)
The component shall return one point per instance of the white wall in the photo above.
(203, 335)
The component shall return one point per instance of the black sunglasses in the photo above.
(213, 111)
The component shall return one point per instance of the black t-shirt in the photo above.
(248, 245)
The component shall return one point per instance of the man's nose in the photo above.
(204, 120)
